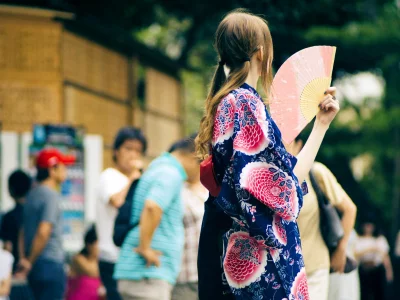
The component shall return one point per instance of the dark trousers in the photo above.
(373, 283)
(106, 275)
(211, 283)
(47, 280)
(21, 292)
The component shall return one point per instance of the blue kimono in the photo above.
(260, 200)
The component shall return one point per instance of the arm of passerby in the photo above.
(118, 199)
(164, 189)
(112, 192)
(40, 241)
(388, 268)
(349, 212)
(21, 243)
(342, 202)
(24, 265)
(305, 159)
(101, 292)
(5, 287)
(48, 219)
(149, 221)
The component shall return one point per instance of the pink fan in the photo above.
(298, 88)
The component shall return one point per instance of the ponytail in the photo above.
(219, 78)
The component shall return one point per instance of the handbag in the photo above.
(330, 224)
(208, 177)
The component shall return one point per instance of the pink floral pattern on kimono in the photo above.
(262, 251)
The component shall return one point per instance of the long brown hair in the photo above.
(239, 36)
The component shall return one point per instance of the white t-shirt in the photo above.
(6, 263)
(111, 182)
(379, 248)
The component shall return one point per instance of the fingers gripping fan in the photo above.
(298, 88)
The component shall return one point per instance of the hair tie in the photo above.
(221, 62)
(246, 59)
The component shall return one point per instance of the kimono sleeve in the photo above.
(264, 183)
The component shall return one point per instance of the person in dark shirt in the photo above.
(19, 183)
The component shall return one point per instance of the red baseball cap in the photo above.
(50, 157)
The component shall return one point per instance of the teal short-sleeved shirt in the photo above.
(162, 182)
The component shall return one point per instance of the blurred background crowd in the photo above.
(112, 86)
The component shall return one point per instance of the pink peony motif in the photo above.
(299, 289)
(245, 260)
(224, 120)
(253, 136)
(272, 187)
(250, 140)
(279, 231)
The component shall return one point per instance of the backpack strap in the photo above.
(130, 194)
(318, 191)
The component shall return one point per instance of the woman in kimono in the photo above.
(250, 245)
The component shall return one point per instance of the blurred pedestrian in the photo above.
(6, 265)
(396, 262)
(346, 286)
(19, 184)
(41, 251)
(317, 258)
(84, 278)
(372, 252)
(151, 254)
(193, 195)
(128, 150)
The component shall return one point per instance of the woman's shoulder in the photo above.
(243, 94)
(240, 99)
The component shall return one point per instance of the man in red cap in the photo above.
(41, 253)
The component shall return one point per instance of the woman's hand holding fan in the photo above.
(329, 107)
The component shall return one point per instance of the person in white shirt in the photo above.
(129, 148)
(372, 252)
(6, 266)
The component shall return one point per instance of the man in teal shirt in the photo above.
(150, 257)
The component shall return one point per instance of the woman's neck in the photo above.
(253, 76)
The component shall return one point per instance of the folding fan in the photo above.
(298, 88)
